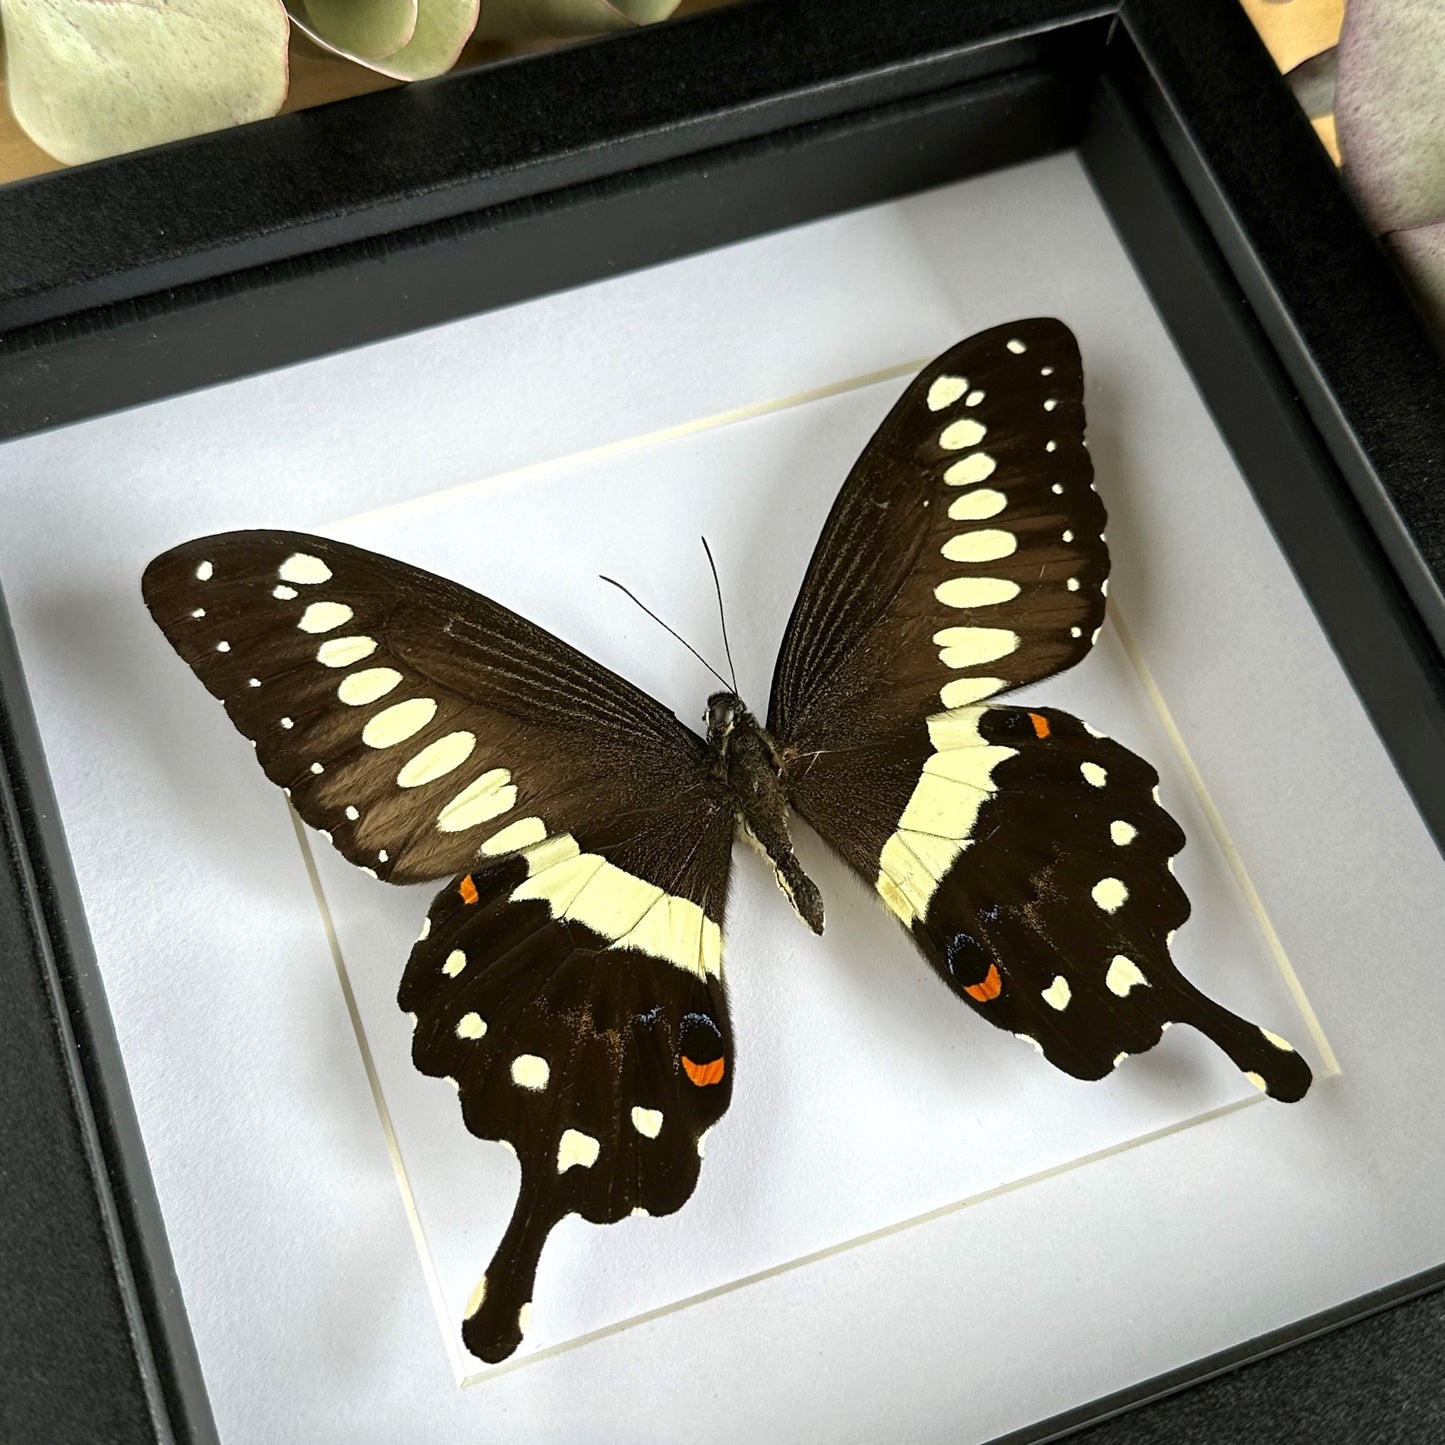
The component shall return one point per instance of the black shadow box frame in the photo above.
(136, 278)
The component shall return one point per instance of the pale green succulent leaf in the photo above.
(1390, 109)
(442, 28)
(93, 78)
(530, 19)
(359, 29)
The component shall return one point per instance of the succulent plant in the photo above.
(91, 78)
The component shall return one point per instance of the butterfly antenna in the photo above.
(614, 582)
(722, 616)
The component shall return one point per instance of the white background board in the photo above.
(290, 1234)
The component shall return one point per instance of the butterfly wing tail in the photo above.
(500, 1306)
(1267, 1060)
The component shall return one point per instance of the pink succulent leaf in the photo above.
(1313, 83)
(1420, 252)
(1390, 109)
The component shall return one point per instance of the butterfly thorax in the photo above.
(747, 760)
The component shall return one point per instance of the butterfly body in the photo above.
(751, 765)
(568, 980)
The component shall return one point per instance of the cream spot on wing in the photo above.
(1053, 447)
(973, 398)
(1017, 347)
(1119, 1059)
(204, 572)
(287, 722)
(639, 1212)
(1076, 632)
(524, 1317)
(382, 856)
(343, 651)
(1278, 1042)
(352, 813)
(1123, 975)
(1068, 536)
(489, 796)
(470, 1026)
(521, 834)
(425, 925)
(964, 433)
(1072, 584)
(324, 616)
(647, 1122)
(1110, 894)
(986, 545)
(199, 612)
(702, 1143)
(530, 1072)
(1033, 1043)
(370, 872)
(978, 467)
(1058, 993)
(1104, 585)
(1093, 774)
(1122, 833)
(510, 1147)
(223, 647)
(474, 1303)
(456, 962)
(576, 1148)
(1057, 489)
(965, 690)
(318, 768)
(1094, 636)
(976, 591)
(1046, 371)
(968, 646)
(395, 724)
(359, 688)
(945, 391)
(437, 759)
(977, 506)
(284, 594)
(1050, 404)
(303, 568)
(1257, 1080)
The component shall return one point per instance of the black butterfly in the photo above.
(568, 979)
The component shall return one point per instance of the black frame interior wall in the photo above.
(150, 274)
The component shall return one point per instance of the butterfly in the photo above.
(568, 980)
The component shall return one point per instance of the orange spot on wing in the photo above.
(468, 890)
(987, 990)
(1041, 724)
(702, 1074)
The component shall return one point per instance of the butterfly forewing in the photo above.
(413, 721)
(965, 553)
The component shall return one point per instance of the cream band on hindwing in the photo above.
(627, 911)
(936, 825)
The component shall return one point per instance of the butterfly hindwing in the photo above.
(1032, 862)
(963, 556)
(582, 1018)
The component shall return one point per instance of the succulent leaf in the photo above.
(533, 19)
(360, 29)
(92, 78)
